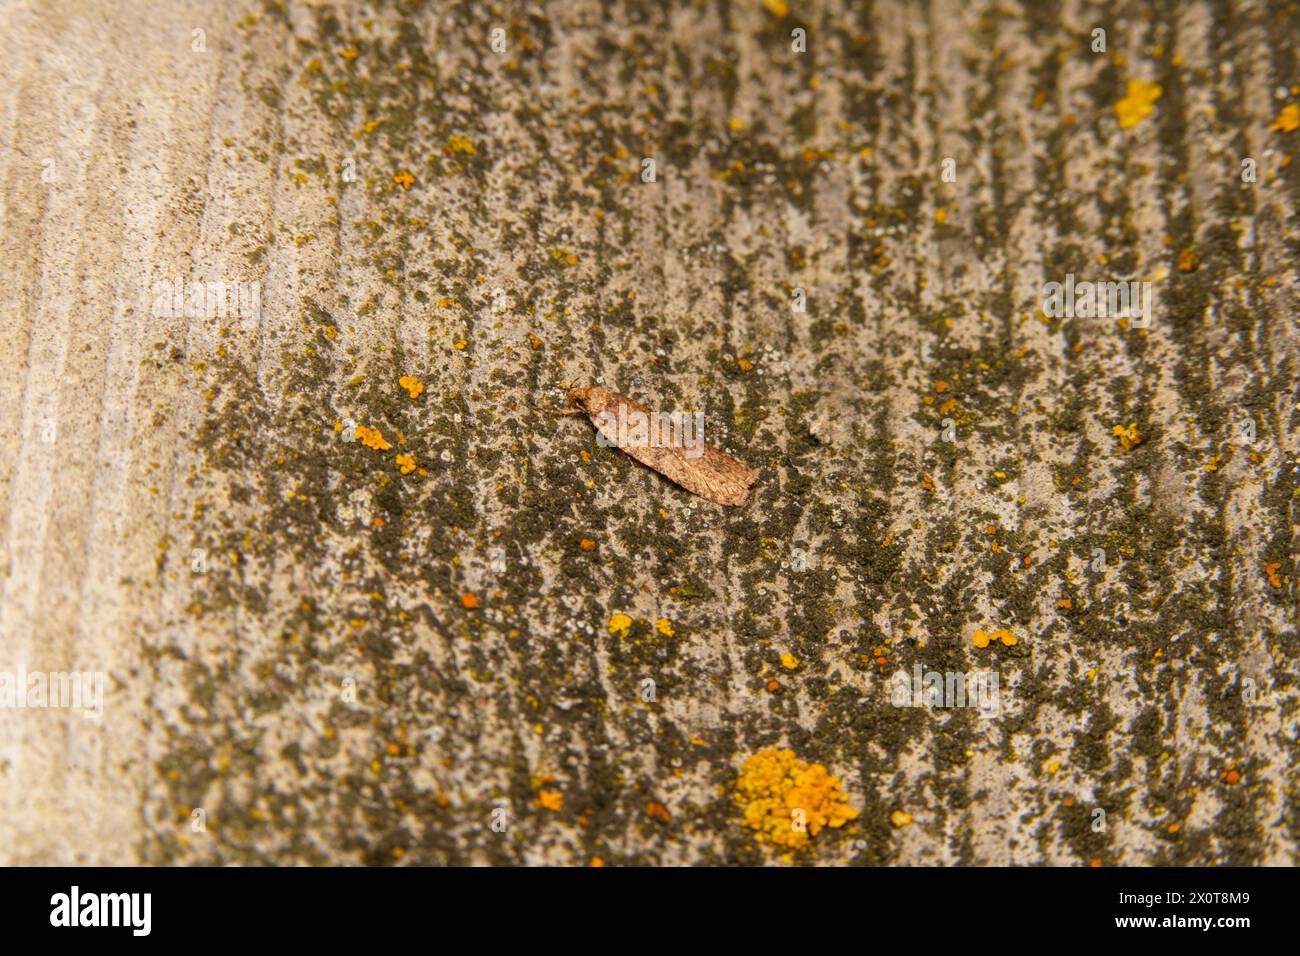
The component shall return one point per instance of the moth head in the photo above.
(580, 397)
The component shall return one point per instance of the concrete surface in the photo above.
(294, 673)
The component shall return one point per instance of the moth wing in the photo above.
(714, 475)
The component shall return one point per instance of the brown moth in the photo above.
(680, 456)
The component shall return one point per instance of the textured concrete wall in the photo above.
(336, 661)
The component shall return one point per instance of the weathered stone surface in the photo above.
(340, 662)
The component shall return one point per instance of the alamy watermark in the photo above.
(36, 690)
(207, 300)
(946, 689)
(130, 910)
(1086, 299)
(630, 428)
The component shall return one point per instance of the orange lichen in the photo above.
(405, 464)
(460, 144)
(550, 800)
(1271, 572)
(586, 544)
(372, 438)
(405, 180)
(1128, 437)
(787, 801)
(469, 599)
(414, 387)
(982, 638)
(665, 627)
(1288, 121)
(658, 811)
(1138, 104)
(619, 624)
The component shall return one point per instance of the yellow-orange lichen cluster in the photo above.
(372, 438)
(1138, 104)
(982, 638)
(1129, 438)
(788, 801)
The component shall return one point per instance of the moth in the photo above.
(669, 443)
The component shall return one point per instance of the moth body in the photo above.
(676, 449)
